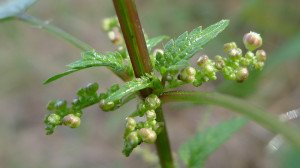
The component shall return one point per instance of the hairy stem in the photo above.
(55, 30)
(141, 63)
(259, 116)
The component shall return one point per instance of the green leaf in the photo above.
(187, 45)
(130, 87)
(11, 8)
(89, 59)
(196, 150)
(55, 77)
(154, 41)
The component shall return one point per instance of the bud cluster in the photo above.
(109, 106)
(142, 131)
(70, 116)
(112, 27)
(234, 67)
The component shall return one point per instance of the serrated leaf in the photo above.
(130, 88)
(196, 150)
(89, 59)
(11, 8)
(92, 59)
(187, 45)
(154, 41)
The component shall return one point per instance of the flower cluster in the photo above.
(142, 131)
(70, 116)
(233, 67)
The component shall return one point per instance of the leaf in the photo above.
(11, 8)
(196, 150)
(92, 59)
(154, 41)
(89, 59)
(55, 77)
(130, 88)
(187, 45)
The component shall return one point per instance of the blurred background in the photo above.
(29, 55)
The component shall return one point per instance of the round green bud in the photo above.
(147, 135)
(71, 120)
(51, 105)
(235, 53)
(92, 88)
(133, 139)
(53, 119)
(152, 123)
(202, 60)
(130, 123)
(141, 108)
(229, 46)
(249, 55)
(158, 52)
(261, 55)
(190, 71)
(60, 104)
(151, 115)
(75, 102)
(106, 106)
(242, 74)
(115, 37)
(259, 65)
(252, 41)
(188, 75)
(152, 102)
(209, 69)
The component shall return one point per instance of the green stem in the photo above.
(134, 36)
(162, 143)
(56, 31)
(259, 116)
(141, 63)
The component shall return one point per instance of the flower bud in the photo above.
(115, 37)
(133, 139)
(53, 119)
(51, 105)
(92, 88)
(147, 135)
(229, 46)
(60, 104)
(259, 65)
(159, 52)
(109, 23)
(208, 69)
(202, 60)
(152, 101)
(261, 55)
(188, 75)
(130, 123)
(71, 120)
(242, 74)
(235, 53)
(151, 115)
(75, 102)
(252, 41)
(106, 106)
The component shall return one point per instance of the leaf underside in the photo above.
(177, 52)
(196, 150)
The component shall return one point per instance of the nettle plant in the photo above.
(153, 75)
